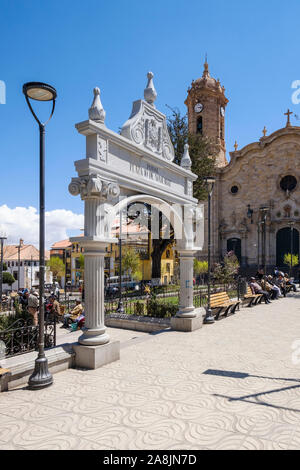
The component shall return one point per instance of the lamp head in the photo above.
(209, 182)
(39, 91)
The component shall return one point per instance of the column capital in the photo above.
(94, 187)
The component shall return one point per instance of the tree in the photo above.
(203, 155)
(291, 260)
(8, 278)
(4, 267)
(178, 131)
(202, 150)
(225, 272)
(200, 267)
(131, 263)
(57, 266)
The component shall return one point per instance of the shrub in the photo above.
(161, 309)
(139, 308)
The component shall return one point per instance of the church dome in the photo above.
(206, 81)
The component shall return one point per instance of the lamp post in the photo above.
(19, 249)
(264, 211)
(2, 238)
(120, 308)
(291, 225)
(41, 377)
(209, 184)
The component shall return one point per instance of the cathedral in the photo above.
(256, 197)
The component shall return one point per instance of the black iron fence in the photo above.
(22, 337)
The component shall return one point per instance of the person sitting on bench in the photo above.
(290, 283)
(257, 289)
(75, 313)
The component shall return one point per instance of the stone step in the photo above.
(60, 358)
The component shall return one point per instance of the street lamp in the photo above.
(264, 211)
(41, 377)
(120, 308)
(209, 184)
(291, 225)
(2, 238)
(19, 249)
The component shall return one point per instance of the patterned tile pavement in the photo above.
(230, 385)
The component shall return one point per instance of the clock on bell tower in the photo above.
(206, 103)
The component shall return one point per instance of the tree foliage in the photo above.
(202, 150)
(131, 263)
(8, 278)
(200, 267)
(226, 271)
(291, 260)
(57, 266)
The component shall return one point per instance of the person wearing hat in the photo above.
(275, 288)
(257, 289)
(75, 313)
(33, 305)
(55, 309)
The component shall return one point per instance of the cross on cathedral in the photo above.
(288, 113)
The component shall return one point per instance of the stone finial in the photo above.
(150, 93)
(264, 131)
(235, 146)
(186, 161)
(96, 111)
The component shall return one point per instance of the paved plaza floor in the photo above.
(231, 385)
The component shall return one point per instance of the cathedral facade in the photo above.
(256, 197)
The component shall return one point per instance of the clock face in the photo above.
(222, 111)
(198, 108)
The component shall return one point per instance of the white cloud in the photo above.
(23, 222)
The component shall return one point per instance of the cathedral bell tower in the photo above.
(206, 103)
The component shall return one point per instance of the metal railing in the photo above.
(22, 337)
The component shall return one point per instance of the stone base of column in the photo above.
(186, 312)
(187, 324)
(93, 337)
(93, 357)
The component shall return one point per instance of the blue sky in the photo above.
(252, 46)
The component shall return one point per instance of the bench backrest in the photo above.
(219, 299)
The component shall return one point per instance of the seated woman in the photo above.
(73, 315)
(289, 282)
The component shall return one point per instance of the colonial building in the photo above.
(22, 262)
(256, 198)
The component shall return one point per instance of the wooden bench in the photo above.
(4, 376)
(253, 299)
(221, 301)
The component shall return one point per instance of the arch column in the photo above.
(95, 193)
(186, 307)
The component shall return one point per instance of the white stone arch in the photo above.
(172, 212)
(134, 166)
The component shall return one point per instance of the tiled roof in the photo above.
(27, 252)
(61, 244)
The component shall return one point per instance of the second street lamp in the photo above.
(41, 377)
(209, 184)
(291, 225)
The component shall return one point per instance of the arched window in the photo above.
(199, 125)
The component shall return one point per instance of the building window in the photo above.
(15, 274)
(234, 189)
(168, 254)
(287, 211)
(168, 267)
(199, 125)
(288, 183)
